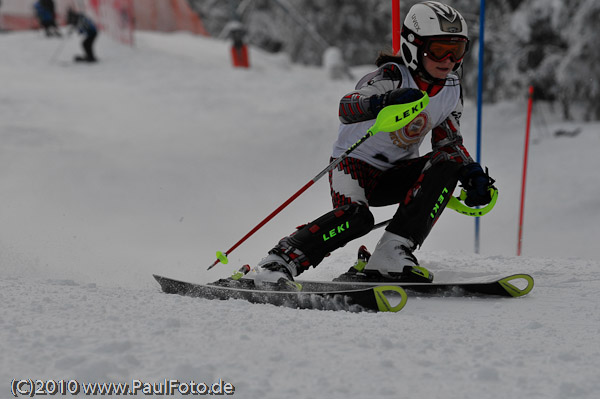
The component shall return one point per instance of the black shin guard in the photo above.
(416, 218)
(329, 232)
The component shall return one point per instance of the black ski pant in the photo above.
(419, 188)
(421, 196)
(88, 44)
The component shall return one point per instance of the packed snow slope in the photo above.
(159, 155)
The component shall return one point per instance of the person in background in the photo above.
(387, 169)
(45, 11)
(85, 26)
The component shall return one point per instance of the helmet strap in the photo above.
(427, 82)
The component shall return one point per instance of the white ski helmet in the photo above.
(428, 22)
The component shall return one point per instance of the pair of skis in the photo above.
(349, 296)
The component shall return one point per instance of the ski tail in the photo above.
(512, 289)
(382, 298)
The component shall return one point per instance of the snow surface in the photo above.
(158, 156)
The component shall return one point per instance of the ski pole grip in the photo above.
(455, 204)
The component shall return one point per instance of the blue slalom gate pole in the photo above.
(479, 103)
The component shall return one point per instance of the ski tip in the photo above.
(160, 280)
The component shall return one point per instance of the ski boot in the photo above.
(274, 273)
(392, 261)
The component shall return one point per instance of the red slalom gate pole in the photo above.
(396, 25)
(523, 183)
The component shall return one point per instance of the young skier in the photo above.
(84, 26)
(387, 169)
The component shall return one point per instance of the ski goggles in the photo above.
(440, 49)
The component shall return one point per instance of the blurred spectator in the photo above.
(46, 14)
(84, 26)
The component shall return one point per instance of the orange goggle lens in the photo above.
(439, 50)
